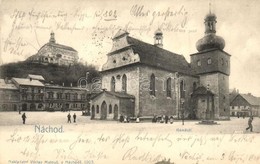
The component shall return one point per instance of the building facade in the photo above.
(154, 81)
(55, 53)
(33, 94)
(245, 105)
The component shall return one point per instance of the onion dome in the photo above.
(210, 40)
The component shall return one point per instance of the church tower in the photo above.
(212, 64)
(158, 38)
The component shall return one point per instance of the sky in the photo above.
(89, 26)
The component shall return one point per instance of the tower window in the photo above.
(113, 83)
(209, 61)
(124, 83)
(199, 63)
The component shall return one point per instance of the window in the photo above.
(182, 89)
(59, 95)
(83, 97)
(75, 96)
(113, 83)
(222, 61)
(227, 63)
(50, 95)
(168, 87)
(110, 109)
(209, 61)
(124, 83)
(97, 109)
(152, 85)
(233, 107)
(199, 63)
(67, 96)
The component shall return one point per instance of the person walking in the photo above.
(250, 126)
(69, 116)
(171, 119)
(166, 119)
(74, 117)
(24, 118)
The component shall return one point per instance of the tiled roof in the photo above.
(251, 99)
(61, 46)
(4, 85)
(35, 77)
(202, 91)
(161, 58)
(22, 81)
(116, 94)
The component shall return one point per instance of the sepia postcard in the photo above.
(129, 82)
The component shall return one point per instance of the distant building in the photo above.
(141, 79)
(244, 105)
(55, 53)
(32, 94)
(9, 96)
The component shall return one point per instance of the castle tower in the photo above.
(158, 38)
(52, 38)
(212, 64)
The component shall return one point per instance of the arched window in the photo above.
(110, 109)
(113, 83)
(97, 109)
(198, 62)
(209, 61)
(152, 85)
(169, 87)
(182, 89)
(124, 83)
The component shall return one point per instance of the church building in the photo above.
(55, 53)
(141, 79)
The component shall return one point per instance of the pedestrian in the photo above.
(19, 111)
(166, 119)
(24, 118)
(69, 116)
(74, 117)
(162, 119)
(250, 126)
(137, 119)
(125, 119)
(121, 118)
(171, 119)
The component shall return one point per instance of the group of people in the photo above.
(69, 117)
(162, 119)
(126, 119)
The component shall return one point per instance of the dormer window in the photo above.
(124, 59)
(114, 61)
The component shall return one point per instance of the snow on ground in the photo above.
(10, 120)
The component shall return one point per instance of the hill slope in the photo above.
(56, 74)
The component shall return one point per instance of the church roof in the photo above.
(116, 94)
(202, 91)
(158, 57)
(56, 45)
